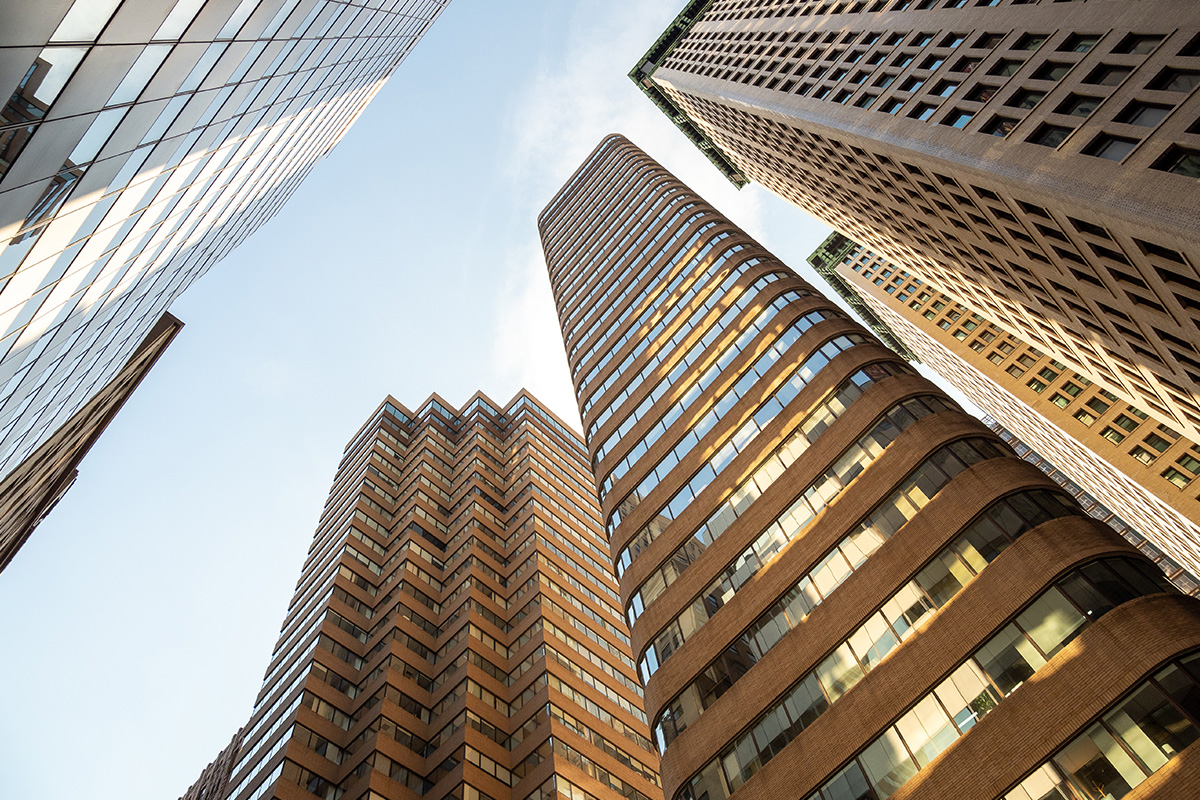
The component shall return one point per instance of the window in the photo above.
(1026, 98)
(958, 119)
(912, 84)
(1052, 71)
(1036, 385)
(921, 39)
(1108, 75)
(923, 111)
(1031, 41)
(1000, 126)
(966, 65)
(1125, 422)
(933, 62)
(1180, 161)
(1113, 435)
(946, 88)
(1059, 400)
(892, 106)
(1080, 43)
(1079, 105)
(1138, 43)
(1050, 135)
(954, 40)
(1005, 67)
(1143, 455)
(989, 40)
(1157, 442)
(1190, 464)
(1084, 416)
(982, 93)
(1145, 114)
(1114, 148)
(1175, 80)
(1176, 477)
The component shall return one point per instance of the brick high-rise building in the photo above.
(456, 631)
(142, 141)
(1037, 160)
(1144, 469)
(840, 584)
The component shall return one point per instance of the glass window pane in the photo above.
(887, 764)
(1151, 727)
(1097, 766)
(1051, 622)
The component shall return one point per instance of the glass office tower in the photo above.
(456, 631)
(141, 141)
(1036, 160)
(840, 585)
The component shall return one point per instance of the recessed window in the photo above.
(1079, 105)
(892, 106)
(1085, 417)
(1031, 41)
(958, 119)
(1000, 126)
(1050, 135)
(966, 65)
(989, 40)
(945, 88)
(859, 78)
(1080, 43)
(902, 60)
(1138, 43)
(912, 84)
(954, 40)
(1176, 477)
(1176, 80)
(1113, 435)
(842, 96)
(884, 80)
(1005, 67)
(1026, 98)
(1060, 401)
(1052, 71)
(933, 62)
(1143, 455)
(981, 93)
(866, 100)
(923, 111)
(1145, 114)
(1109, 75)
(922, 39)
(1180, 161)
(1114, 148)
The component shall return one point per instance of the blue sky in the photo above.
(142, 613)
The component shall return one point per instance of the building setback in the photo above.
(1145, 469)
(140, 143)
(455, 632)
(840, 584)
(1036, 160)
(34, 487)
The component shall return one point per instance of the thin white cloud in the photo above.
(579, 95)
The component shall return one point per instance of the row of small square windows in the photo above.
(1177, 160)
(756, 9)
(1106, 251)
(1152, 252)
(1070, 390)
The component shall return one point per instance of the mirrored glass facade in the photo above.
(141, 141)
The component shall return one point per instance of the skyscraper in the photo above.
(1038, 161)
(1145, 469)
(840, 584)
(455, 632)
(140, 143)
